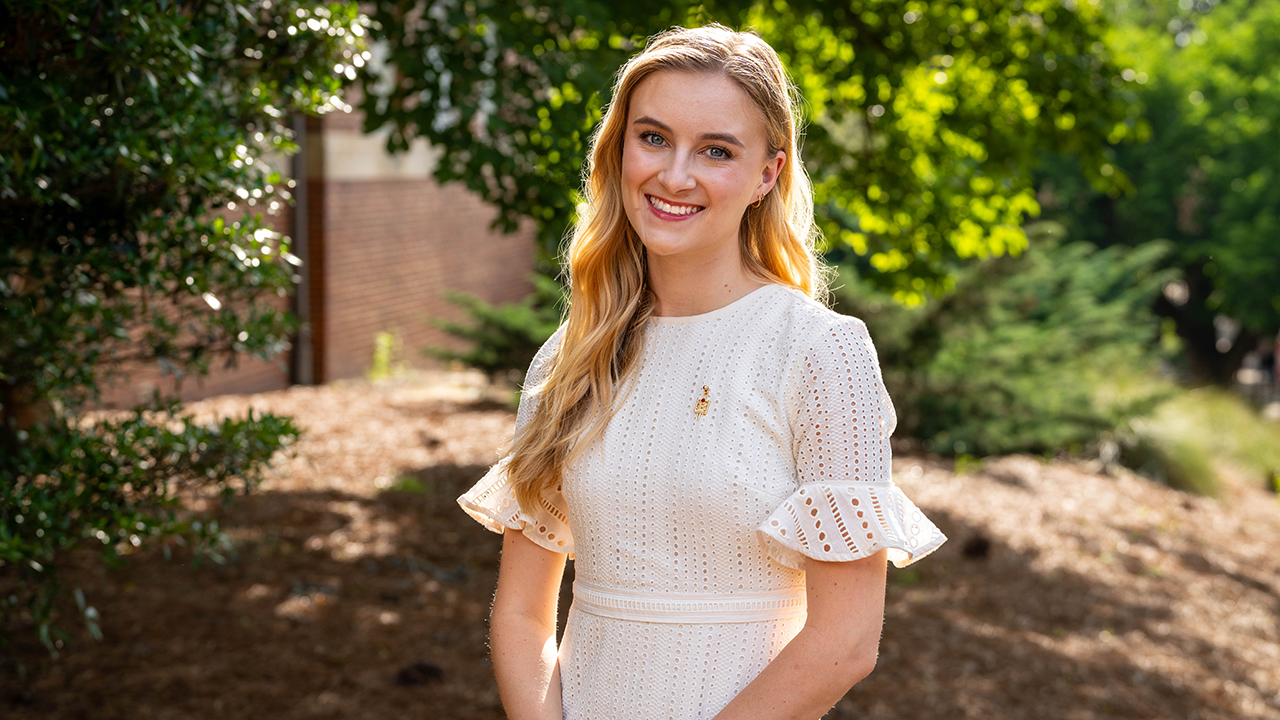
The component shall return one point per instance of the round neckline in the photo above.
(718, 312)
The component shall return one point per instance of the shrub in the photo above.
(1027, 354)
(503, 339)
(1182, 439)
(118, 482)
(135, 141)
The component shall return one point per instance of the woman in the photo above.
(712, 443)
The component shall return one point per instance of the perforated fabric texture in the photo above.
(846, 507)
(749, 439)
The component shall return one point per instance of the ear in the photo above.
(769, 175)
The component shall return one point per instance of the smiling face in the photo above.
(694, 156)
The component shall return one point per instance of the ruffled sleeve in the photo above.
(846, 506)
(492, 500)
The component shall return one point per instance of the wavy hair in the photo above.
(610, 301)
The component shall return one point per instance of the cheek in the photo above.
(634, 171)
(633, 177)
(728, 187)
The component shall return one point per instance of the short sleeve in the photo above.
(846, 506)
(492, 500)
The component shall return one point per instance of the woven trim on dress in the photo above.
(659, 607)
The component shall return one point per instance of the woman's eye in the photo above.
(653, 139)
(719, 153)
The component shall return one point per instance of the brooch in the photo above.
(700, 407)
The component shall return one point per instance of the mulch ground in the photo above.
(357, 589)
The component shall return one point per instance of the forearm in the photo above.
(836, 649)
(522, 629)
(524, 662)
(809, 676)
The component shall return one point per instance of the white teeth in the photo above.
(673, 209)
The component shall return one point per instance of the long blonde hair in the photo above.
(610, 300)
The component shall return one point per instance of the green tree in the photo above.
(924, 119)
(503, 340)
(1207, 181)
(134, 137)
(1042, 352)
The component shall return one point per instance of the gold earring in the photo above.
(756, 204)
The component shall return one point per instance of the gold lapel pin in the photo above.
(700, 407)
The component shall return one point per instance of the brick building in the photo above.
(381, 242)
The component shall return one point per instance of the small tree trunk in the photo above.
(1194, 324)
(21, 408)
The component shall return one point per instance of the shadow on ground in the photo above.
(331, 605)
(349, 606)
(983, 637)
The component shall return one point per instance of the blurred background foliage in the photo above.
(1206, 178)
(1050, 213)
(924, 119)
(502, 340)
(1035, 353)
(134, 145)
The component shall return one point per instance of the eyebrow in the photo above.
(722, 137)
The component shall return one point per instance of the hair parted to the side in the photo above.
(610, 301)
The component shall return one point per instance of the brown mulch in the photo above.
(357, 589)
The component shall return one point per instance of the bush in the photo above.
(1035, 353)
(118, 482)
(135, 141)
(503, 339)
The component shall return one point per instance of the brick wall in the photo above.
(383, 242)
(392, 248)
(249, 375)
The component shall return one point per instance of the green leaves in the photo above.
(131, 129)
(928, 118)
(1038, 353)
(1208, 90)
(503, 339)
(115, 484)
(135, 143)
(924, 120)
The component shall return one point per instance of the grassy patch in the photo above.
(1185, 437)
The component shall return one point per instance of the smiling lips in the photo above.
(669, 209)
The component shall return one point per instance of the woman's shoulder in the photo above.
(810, 322)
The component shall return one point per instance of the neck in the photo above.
(682, 288)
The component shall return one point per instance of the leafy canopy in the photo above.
(924, 119)
(135, 139)
(1207, 180)
(127, 126)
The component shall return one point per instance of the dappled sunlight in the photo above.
(355, 586)
(1097, 571)
(406, 416)
(256, 591)
(363, 534)
(368, 617)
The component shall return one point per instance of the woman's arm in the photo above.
(836, 649)
(522, 629)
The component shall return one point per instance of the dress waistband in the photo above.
(659, 607)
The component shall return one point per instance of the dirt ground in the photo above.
(358, 589)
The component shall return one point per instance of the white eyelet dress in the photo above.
(750, 438)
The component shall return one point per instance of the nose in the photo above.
(677, 172)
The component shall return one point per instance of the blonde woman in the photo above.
(708, 441)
